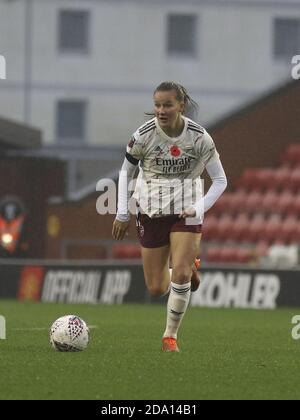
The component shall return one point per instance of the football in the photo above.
(69, 333)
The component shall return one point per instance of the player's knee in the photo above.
(156, 290)
(181, 274)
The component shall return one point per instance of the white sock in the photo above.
(177, 303)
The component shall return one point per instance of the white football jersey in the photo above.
(169, 167)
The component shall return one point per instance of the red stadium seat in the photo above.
(249, 178)
(240, 228)
(228, 254)
(285, 202)
(244, 255)
(222, 205)
(295, 236)
(213, 254)
(272, 229)
(238, 200)
(282, 178)
(292, 155)
(269, 201)
(253, 202)
(265, 178)
(294, 207)
(234, 254)
(210, 227)
(259, 179)
(256, 228)
(295, 179)
(261, 249)
(288, 229)
(224, 227)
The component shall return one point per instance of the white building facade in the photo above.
(84, 71)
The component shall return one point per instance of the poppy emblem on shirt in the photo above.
(175, 151)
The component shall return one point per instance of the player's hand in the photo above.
(119, 229)
(191, 212)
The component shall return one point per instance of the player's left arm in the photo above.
(219, 183)
(217, 174)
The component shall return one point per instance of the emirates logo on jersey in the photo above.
(175, 151)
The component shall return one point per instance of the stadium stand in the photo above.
(264, 210)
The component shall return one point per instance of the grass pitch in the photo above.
(225, 354)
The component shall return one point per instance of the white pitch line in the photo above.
(91, 327)
(29, 329)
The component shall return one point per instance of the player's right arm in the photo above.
(122, 220)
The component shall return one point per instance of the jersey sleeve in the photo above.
(206, 149)
(134, 150)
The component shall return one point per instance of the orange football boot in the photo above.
(169, 344)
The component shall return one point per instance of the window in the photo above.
(182, 34)
(286, 38)
(71, 121)
(73, 30)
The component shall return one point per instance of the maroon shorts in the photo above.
(155, 232)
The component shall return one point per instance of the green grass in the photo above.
(225, 354)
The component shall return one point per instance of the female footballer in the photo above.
(172, 152)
